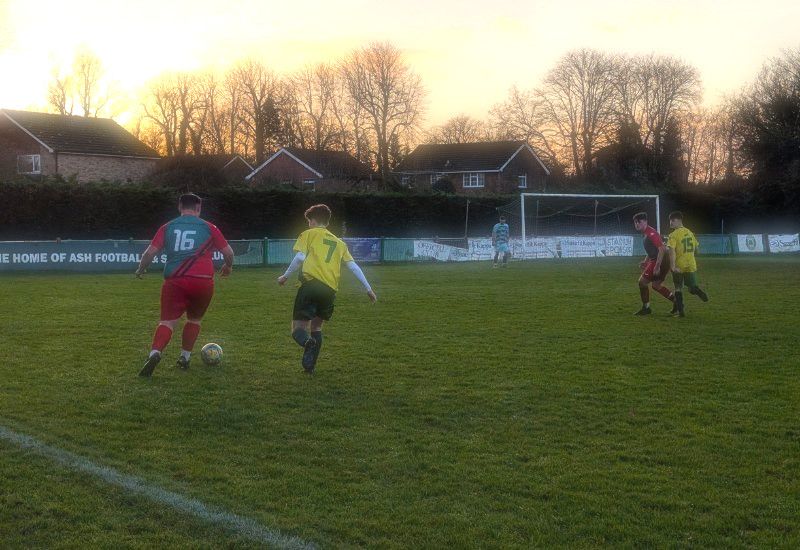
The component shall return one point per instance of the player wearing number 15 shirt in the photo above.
(189, 243)
(319, 255)
(682, 246)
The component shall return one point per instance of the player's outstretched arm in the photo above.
(147, 259)
(227, 267)
(675, 268)
(296, 263)
(353, 266)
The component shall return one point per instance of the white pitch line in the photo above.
(240, 525)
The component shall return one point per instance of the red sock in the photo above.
(161, 337)
(190, 333)
(645, 293)
(665, 292)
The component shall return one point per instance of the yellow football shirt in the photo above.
(684, 243)
(325, 253)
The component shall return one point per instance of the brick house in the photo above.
(201, 171)
(90, 149)
(313, 170)
(493, 167)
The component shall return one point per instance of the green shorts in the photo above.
(689, 279)
(314, 299)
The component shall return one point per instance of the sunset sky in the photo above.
(468, 53)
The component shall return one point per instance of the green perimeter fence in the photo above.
(124, 255)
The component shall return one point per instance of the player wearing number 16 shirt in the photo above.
(319, 255)
(189, 243)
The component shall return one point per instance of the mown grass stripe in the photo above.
(240, 525)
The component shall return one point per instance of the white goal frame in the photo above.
(580, 196)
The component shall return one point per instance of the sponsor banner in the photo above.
(441, 252)
(364, 250)
(748, 244)
(91, 256)
(595, 247)
(541, 247)
(784, 243)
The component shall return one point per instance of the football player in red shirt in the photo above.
(188, 243)
(656, 265)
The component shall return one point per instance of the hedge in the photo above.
(49, 210)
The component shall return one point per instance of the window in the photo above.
(474, 179)
(436, 177)
(405, 180)
(29, 164)
(522, 181)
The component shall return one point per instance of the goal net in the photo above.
(573, 225)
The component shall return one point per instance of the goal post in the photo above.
(571, 214)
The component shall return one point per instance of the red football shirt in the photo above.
(189, 243)
(652, 242)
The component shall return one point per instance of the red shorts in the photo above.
(191, 295)
(649, 267)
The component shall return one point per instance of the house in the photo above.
(201, 172)
(493, 167)
(90, 149)
(310, 169)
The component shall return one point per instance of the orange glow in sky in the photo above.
(468, 52)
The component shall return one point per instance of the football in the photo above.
(211, 354)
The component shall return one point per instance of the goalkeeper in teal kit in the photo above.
(500, 242)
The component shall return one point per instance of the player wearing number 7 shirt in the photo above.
(189, 243)
(319, 255)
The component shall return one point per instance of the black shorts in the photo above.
(314, 299)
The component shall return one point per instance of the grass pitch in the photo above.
(468, 407)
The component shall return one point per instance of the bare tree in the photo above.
(216, 113)
(460, 129)
(148, 133)
(389, 93)
(653, 89)
(88, 71)
(313, 90)
(161, 108)
(578, 100)
(353, 134)
(524, 116)
(259, 109)
(60, 94)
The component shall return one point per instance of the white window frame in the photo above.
(35, 162)
(472, 180)
(405, 180)
(522, 181)
(435, 177)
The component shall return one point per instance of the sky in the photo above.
(467, 52)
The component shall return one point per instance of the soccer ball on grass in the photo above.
(211, 354)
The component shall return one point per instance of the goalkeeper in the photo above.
(500, 242)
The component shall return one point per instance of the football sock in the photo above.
(190, 333)
(317, 336)
(505, 257)
(644, 291)
(300, 336)
(161, 337)
(664, 291)
(679, 298)
(186, 354)
(496, 254)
